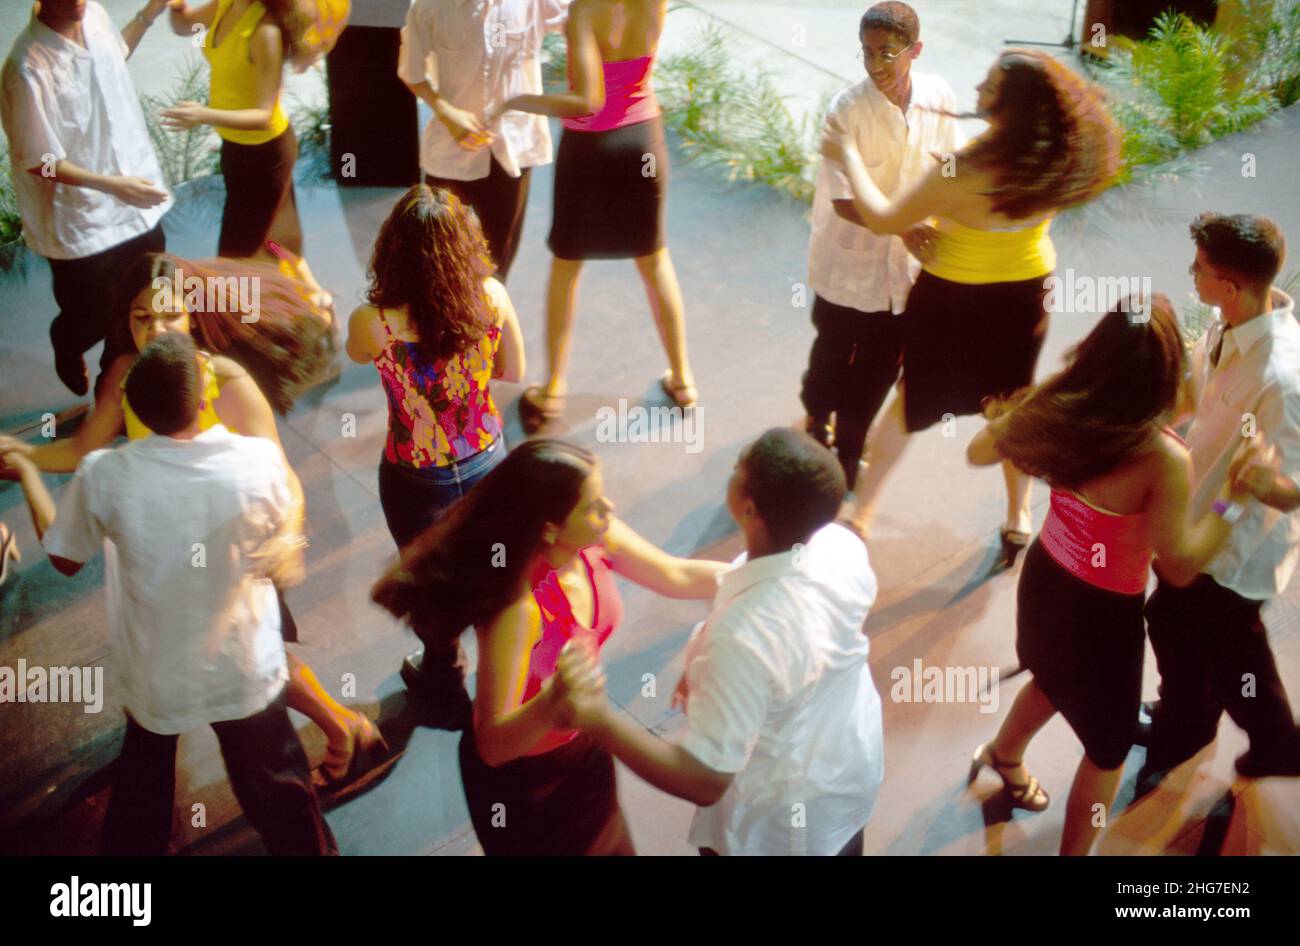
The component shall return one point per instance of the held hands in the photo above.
(920, 241)
(138, 192)
(14, 457)
(1253, 471)
(578, 687)
(183, 116)
(465, 127)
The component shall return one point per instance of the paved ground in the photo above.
(740, 252)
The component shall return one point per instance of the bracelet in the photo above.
(295, 540)
(1228, 511)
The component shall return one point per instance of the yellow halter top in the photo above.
(135, 428)
(234, 81)
(965, 255)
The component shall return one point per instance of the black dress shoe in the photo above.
(71, 370)
(443, 700)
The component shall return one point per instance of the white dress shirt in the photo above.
(61, 102)
(1257, 376)
(483, 52)
(196, 639)
(779, 692)
(847, 263)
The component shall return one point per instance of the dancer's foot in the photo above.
(1022, 789)
(819, 428)
(538, 406)
(8, 550)
(681, 392)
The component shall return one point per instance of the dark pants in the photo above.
(268, 772)
(499, 200)
(853, 363)
(84, 288)
(1207, 640)
(853, 848)
(260, 201)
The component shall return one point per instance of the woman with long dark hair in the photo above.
(1120, 486)
(439, 329)
(284, 342)
(246, 44)
(976, 319)
(611, 180)
(528, 559)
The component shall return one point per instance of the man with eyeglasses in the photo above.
(903, 122)
(1244, 381)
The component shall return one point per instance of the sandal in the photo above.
(366, 749)
(8, 550)
(684, 396)
(1027, 795)
(537, 409)
(1013, 543)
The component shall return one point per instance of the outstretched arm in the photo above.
(927, 198)
(639, 559)
(588, 76)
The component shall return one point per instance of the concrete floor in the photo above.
(740, 251)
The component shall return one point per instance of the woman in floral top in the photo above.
(439, 328)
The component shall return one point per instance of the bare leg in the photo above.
(885, 445)
(561, 306)
(1019, 513)
(1092, 786)
(1029, 713)
(307, 696)
(665, 297)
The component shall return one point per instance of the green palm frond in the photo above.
(188, 154)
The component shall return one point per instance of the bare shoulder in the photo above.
(518, 626)
(227, 369)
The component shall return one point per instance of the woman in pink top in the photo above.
(611, 174)
(528, 559)
(1096, 433)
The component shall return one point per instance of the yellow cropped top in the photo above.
(966, 255)
(135, 428)
(234, 82)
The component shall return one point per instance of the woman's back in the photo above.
(625, 29)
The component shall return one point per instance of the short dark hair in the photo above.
(1247, 246)
(163, 386)
(893, 16)
(796, 484)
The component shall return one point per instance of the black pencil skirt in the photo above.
(259, 186)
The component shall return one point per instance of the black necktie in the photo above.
(1217, 351)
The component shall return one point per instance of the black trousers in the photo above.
(853, 848)
(1213, 653)
(268, 772)
(84, 288)
(499, 200)
(853, 363)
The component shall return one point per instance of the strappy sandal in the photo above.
(537, 408)
(684, 396)
(8, 550)
(1013, 543)
(366, 749)
(1027, 795)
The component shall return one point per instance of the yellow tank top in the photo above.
(966, 255)
(135, 428)
(234, 82)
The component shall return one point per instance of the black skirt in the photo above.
(1084, 646)
(963, 342)
(259, 184)
(609, 193)
(564, 802)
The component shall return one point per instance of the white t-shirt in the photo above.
(196, 639)
(780, 694)
(60, 102)
(847, 263)
(482, 54)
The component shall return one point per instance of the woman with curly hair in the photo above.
(439, 328)
(246, 44)
(976, 318)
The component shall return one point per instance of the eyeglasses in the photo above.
(887, 56)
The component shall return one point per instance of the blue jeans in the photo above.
(413, 498)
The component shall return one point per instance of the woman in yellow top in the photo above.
(151, 300)
(246, 43)
(975, 320)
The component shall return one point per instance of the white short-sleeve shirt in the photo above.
(779, 693)
(847, 263)
(62, 102)
(478, 54)
(195, 638)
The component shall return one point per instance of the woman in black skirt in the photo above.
(528, 558)
(611, 178)
(976, 318)
(1120, 486)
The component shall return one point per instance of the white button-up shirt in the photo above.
(61, 102)
(480, 53)
(196, 639)
(1255, 386)
(779, 693)
(847, 263)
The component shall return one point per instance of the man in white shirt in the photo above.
(194, 519)
(1210, 644)
(784, 752)
(86, 178)
(483, 52)
(903, 122)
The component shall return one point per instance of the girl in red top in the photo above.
(528, 559)
(1096, 433)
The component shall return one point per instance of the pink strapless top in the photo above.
(629, 97)
(1104, 549)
